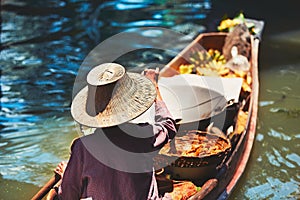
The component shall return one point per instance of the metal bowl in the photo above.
(203, 166)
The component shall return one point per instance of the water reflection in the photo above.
(43, 44)
(273, 189)
(274, 173)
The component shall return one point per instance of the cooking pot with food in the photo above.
(195, 155)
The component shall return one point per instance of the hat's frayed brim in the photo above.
(123, 107)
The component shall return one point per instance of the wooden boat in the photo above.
(226, 179)
(223, 183)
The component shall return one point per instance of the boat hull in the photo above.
(221, 186)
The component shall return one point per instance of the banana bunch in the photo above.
(217, 56)
(186, 69)
(212, 63)
(207, 63)
(210, 58)
(226, 25)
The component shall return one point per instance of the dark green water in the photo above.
(44, 42)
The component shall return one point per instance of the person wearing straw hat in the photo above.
(116, 161)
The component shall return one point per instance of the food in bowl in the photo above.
(196, 155)
(196, 144)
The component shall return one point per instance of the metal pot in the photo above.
(205, 165)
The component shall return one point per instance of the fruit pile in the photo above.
(213, 63)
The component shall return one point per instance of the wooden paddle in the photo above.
(47, 187)
(208, 186)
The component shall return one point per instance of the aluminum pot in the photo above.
(203, 166)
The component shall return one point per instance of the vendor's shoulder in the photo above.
(76, 142)
(88, 139)
(79, 143)
(79, 140)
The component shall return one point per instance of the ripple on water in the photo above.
(294, 158)
(132, 6)
(280, 156)
(30, 153)
(32, 62)
(273, 189)
(272, 159)
(297, 136)
(259, 137)
(266, 103)
(279, 135)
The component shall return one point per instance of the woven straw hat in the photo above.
(112, 96)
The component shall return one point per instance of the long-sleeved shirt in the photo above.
(117, 162)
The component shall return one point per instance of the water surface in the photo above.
(44, 44)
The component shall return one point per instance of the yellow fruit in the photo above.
(186, 69)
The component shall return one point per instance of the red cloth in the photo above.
(116, 162)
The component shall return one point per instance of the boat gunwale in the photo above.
(249, 135)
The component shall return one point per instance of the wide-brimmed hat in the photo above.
(112, 96)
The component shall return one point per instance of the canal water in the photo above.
(43, 44)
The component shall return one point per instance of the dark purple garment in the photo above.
(116, 162)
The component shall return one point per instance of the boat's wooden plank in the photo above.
(252, 126)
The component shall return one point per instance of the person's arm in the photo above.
(165, 126)
(60, 169)
(52, 195)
